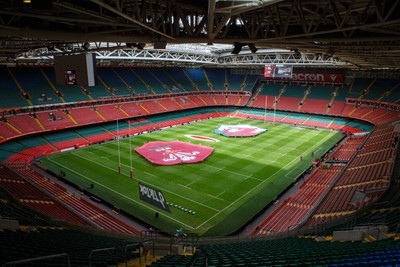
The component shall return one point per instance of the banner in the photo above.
(313, 77)
(153, 197)
(318, 77)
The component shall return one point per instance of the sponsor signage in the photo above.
(313, 77)
(318, 77)
(153, 196)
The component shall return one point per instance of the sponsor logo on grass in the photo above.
(202, 138)
(153, 196)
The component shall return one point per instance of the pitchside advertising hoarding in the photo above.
(153, 196)
(284, 72)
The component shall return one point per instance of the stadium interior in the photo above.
(78, 74)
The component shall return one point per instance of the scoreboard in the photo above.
(278, 71)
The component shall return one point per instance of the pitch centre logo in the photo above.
(239, 130)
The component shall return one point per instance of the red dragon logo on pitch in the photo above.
(173, 155)
(175, 152)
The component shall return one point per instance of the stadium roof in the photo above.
(357, 33)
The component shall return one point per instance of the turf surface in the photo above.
(241, 177)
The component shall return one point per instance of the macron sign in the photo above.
(153, 197)
(318, 77)
(314, 77)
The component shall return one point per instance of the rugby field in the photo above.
(240, 177)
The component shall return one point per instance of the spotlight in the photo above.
(253, 48)
(237, 48)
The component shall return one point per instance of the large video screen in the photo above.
(278, 71)
(70, 77)
(77, 69)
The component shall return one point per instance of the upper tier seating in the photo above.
(130, 78)
(70, 93)
(11, 95)
(150, 81)
(196, 76)
(217, 78)
(181, 79)
(33, 81)
(166, 80)
(114, 83)
(239, 81)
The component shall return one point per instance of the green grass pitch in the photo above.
(240, 177)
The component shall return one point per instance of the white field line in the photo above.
(116, 192)
(222, 169)
(201, 204)
(189, 184)
(220, 193)
(251, 190)
(286, 175)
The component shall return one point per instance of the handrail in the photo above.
(11, 263)
(100, 250)
(140, 253)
